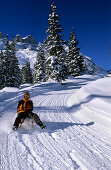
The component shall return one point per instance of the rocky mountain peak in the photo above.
(1, 35)
(28, 39)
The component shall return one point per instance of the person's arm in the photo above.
(19, 107)
(30, 107)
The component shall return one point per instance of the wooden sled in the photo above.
(22, 121)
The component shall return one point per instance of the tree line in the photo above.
(52, 60)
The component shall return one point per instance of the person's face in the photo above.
(26, 96)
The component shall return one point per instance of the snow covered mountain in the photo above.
(91, 67)
(27, 51)
(28, 39)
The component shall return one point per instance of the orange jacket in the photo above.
(24, 106)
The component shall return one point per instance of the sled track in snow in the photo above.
(66, 144)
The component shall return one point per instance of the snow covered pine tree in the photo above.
(10, 66)
(15, 70)
(2, 78)
(74, 59)
(26, 76)
(55, 61)
(39, 66)
(7, 64)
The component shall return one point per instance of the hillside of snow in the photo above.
(24, 55)
(77, 116)
(27, 51)
(95, 97)
(91, 67)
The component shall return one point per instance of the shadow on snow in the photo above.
(71, 109)
(55, 126)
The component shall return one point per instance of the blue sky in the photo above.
(91, 20)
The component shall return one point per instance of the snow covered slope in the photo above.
(28, 52)
(24, 55)
(78, 120)
(95, 97)
(24, 51)
(2, 43)
(91, 67)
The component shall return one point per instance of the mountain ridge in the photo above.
(26, 50)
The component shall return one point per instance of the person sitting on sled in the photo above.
(24, 109)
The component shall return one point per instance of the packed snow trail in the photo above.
(72, 140)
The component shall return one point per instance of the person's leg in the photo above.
(37, 120)
(18, 119)
(30, 115)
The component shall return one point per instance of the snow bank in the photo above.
(8, 94)
(9, 89)
(94, 102)
(99, 89)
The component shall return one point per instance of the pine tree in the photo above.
(26, 76)
(81, 64)
(39, 66)
(2, 80)
(23, 75)
(74, 59)
(55, 67)
(7, 64)
(28, 73)
(1, 35)
(15, 70)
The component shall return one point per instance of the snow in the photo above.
(28, 52)
(24, 55)
(9, 89)
(78, 119)
(2, 44)
(92, 68)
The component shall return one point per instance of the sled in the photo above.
(22, 121)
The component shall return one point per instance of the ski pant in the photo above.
(31, 115)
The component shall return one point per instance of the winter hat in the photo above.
(27, 93)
